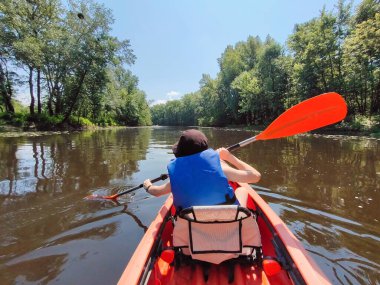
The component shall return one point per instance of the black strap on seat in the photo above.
(229, 200)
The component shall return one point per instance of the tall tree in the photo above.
(315, 47)
(25, 25)
(77, 75)
(6, 78)
(366, 10)
(362, 64)
(213, 108)
(232, 62)
(271, 79)
(124, 102)
(249, 89)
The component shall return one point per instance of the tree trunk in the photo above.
(50, 96)
(31, 107)
(39, 106)
(75, 97)
(375, 102)
(6, 90)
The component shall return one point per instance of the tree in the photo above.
(248, 87)
(80, 55)
(25, 25)
(315, 48)
(232, 62)
(366, 10)
(272, 79)
(213, 109)
(6, 83)
(362, 64)
(124, 102)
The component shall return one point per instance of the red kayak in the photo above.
(282, 259)
(259, 246)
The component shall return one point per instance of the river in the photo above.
(325, 188)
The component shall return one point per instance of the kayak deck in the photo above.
(148, 266)
(219, 274)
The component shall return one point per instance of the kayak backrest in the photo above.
(216, 233)
(206, 214)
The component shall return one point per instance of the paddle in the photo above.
(115, 196)
(311, 114)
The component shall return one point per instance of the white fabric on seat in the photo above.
(215, 237)
(214, 213)
(216, 233)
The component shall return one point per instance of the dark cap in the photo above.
(191, 142)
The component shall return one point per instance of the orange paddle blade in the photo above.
(311, 114)
(100, 197)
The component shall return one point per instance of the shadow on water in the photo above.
(35, 269)
(326, 189)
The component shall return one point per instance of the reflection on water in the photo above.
(44, 164)
(326, 189)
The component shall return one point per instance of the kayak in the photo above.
(283, 260)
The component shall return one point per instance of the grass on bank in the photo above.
(42, 122)
(23, 121)
(363, 124)
(358, 125)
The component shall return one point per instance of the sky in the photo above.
(176, 41)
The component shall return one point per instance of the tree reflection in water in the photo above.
(326, 189)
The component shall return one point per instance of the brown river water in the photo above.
(325, 188)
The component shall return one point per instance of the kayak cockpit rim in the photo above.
(288, 249)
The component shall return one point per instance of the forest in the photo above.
(258, 79)
(72, 66)
(76, 72)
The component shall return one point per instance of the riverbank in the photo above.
(12, 131)
(339, 130)
(358, 126)
(14, 126)
(22, 124)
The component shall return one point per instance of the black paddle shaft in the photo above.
(161, 177)
(241, 144)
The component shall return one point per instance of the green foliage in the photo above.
(14, 119)
(364, 123)
(80, 122)
(336, 51)
(125, 104)
(182, 112)
(106, 121)
(248, 87)
(362, 65)
(19, 107)
(49, 120)
(84, 78)
(74, 55)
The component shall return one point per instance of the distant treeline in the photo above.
(73, 66)
(337, 51)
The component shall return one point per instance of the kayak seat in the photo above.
(216, 234)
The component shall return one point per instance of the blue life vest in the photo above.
(198, 180)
